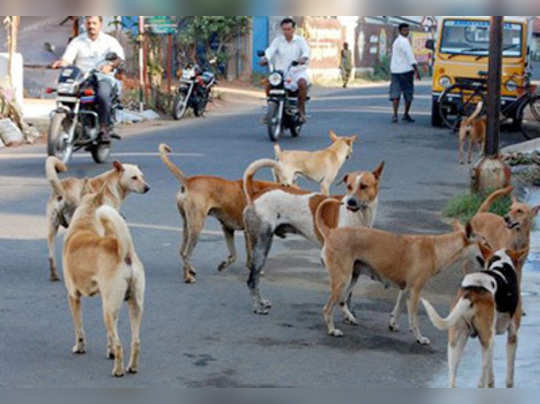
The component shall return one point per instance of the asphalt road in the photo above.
(205, 334)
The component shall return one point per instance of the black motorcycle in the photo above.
(74, 124)
(282, 104)
(194, 91)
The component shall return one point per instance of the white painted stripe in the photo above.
(11, 156)
(170, 228)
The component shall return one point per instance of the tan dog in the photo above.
(201, 196)
(67, 194)
(408, 261)
(511, 232)
(474, 129)
(99, 257)
(279, 210)
(320, 166)
(488, 303)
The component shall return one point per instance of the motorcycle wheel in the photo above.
(180, 106)
(101, 152)
(274, 128)
(57, 139)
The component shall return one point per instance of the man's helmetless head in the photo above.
(93, 25)
(404, 29)
(288, 26)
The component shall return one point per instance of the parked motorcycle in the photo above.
(74, 124)
(282, 104)
(194, 91)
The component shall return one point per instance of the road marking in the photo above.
(368, 110)
(11, 156)
(170, 228)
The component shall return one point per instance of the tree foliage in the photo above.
(201, 38)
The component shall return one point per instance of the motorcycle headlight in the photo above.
(445, 81)
(511, 85)
(67, 88)
(275, 79)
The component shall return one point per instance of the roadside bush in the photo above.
(463, 207)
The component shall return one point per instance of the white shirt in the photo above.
(282, 52)
(402, 56)
(85, 53)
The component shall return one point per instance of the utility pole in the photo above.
(142, 64)
(491, 172)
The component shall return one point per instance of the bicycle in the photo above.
(460, 99)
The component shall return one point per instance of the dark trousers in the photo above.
(104, 101)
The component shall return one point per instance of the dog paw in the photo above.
(261, 311)
(223, 266)
(267, 304)
(190, 279)
(54, 278)
(118, 372)
(78, 349)
(423, 341)
(335, 333)
(132, 370)
(461, 162)
(349, 321)
(394, 327)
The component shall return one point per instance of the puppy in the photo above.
(99, 257)
(487, 303)
(201, 196)
(408, 261)
(511, 232)
(279, 210)
(473, 128)
(66, 195)
(320, 166)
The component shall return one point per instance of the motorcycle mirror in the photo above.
(49, 47)
(111, 56)
(294, 63)
(260, 53)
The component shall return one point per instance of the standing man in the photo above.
(403, 67)
(285, 49)
(345, 65)
(85, 51)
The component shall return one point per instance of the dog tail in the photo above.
(491, 198)
(164, 149)
(116, 227)
(250, 172)
(463, 306)
(476, 111)
(320, 224)
(52, 166)
(277, 150)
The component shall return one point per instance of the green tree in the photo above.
(212, 34)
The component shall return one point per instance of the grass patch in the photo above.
(463, 207)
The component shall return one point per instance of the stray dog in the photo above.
(408, 261)
(201, 196)
(488, 303)
(473, 128)
(320, 166)
(67, 194)
(99, 257)
(280, 210)
(511, 232)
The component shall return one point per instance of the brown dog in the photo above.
(512, 231)
(279, 210)
(201, 196)
(320, 166)
(66, 195)
(408, 261)
(474, 129)
(99, 257)
(488, 303)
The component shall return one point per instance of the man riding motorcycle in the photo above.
(284, 50)
(85, 51)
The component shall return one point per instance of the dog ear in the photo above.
(518, 256)
(486, 250)
(352, 139)
(534, 211)
(378, 171)
(457, 226)
(333, 136)
(118, 166)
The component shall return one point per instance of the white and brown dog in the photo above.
(99, 257)
(320, 166)
(201, 196)
(280, 210)
(66, 195)
(487, 303)
(473, 128)
(408, 261)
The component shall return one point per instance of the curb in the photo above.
(528, 146)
